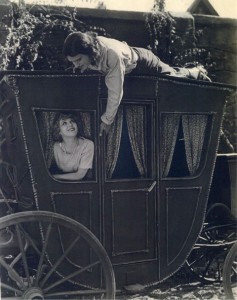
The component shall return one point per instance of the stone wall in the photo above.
(219, 36)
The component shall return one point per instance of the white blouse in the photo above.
(116, 59)
(81, 158)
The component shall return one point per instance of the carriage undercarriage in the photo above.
(27, 273)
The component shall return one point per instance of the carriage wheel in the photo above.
(230, 274)
(207, 258)
(45, 255)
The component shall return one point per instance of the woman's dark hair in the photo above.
(63, 116)
(82, 43)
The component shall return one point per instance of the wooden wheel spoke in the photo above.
(229, 273)
(207, 267)
(29, 239)
(54, 267)
(41, 260)
(10, 288)
(24, 260)
(204, 238)
(12, 298)
(234, 271)
(233, 275)
(36, 245)
(79, 292)
(72, 275)
(196, 260)
(12, 273)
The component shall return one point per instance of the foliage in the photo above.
(101, 5)
(35, 38)
(161, 29)
(159, 5)
(229, 126)
(180, 49)
(177, 49)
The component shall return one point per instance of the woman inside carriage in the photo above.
(73, 154)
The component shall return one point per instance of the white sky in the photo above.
(225, 8)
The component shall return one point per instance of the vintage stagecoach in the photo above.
(137, 214)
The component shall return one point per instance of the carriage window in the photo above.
(67, 139)
(128, 145)
(183, 143)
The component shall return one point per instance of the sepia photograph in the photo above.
(118, 149)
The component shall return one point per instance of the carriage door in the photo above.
(129, 190)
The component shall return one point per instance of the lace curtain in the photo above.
(194, 127)
(135, 117)
(169, 131)
(86, 124)
(45, 124)
(45, 120)
(113, 143)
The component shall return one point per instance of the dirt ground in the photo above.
(176, 288)
(194, 290)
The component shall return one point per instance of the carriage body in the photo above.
(146, 196)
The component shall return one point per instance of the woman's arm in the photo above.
(85, 163)
(80, 174)
(114, 80)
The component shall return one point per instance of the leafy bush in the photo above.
(180, 49)
(176, 49)
(35, 38)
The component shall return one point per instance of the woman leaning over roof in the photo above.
(88, 51)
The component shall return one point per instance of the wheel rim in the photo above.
(60, 258)
(230, 274)
(206, 260)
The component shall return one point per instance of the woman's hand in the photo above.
(104, 128)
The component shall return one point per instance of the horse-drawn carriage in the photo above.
(136, 217)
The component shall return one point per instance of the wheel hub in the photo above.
(33, 293)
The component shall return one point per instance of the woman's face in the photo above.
(81, 61)
(68, 128)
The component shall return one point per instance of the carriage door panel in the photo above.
(40, 99)
(130, 185)
(188, 140)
